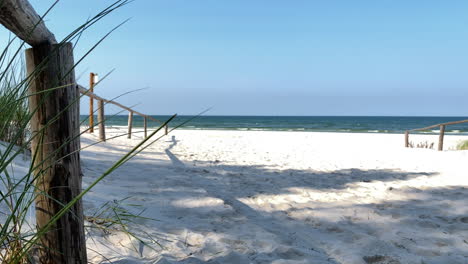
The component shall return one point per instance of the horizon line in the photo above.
(295, 115)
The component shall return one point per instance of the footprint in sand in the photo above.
(446, 219)
(335, 229)
(427, 224)
(378, 259)
(289, 253)
(423, 216)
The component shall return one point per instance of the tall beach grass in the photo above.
(463, 145)
(19, 237)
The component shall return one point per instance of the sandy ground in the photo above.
(240, 197)
(283, 197)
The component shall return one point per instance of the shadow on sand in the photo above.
(376, 233)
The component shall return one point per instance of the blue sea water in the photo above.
(366, 124)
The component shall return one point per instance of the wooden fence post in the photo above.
(406, 138)
(91, 103)
(55, 145)
(130, 123)
(166, 129)
(101, 121)
(145, 125)
(441, 137)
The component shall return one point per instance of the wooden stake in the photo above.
(130, 123)
(166, 130)
(441, 137)
(102, 127)
(406, 139)
(145, 124)
(91, 103)
(55, 145)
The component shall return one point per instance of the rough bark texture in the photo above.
(91, 103)
(441, 138)
(55, 128)
(20, 18)
(102, 127)
(130, 124)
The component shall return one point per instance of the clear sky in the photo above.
(278, 57)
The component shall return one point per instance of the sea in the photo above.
(343, 124)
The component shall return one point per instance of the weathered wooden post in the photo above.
(20, 18)
(166, 130)
(101, 121)
(55, 145)
(55, 133)
(91, 103)
(406, 138)
(130, 123)
(441, 137)
(145, 125)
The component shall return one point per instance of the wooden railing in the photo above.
(441, 133)
(101, 116)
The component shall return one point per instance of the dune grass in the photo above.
(19, 236)
(119, 216)
(13, 103)
(463, 145)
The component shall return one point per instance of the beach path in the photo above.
(285, 197)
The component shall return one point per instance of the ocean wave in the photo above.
(337, 124)
(303, 129)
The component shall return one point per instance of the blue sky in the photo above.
(278, 57)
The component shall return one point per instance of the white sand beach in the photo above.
(280, 197)
(284, 197)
